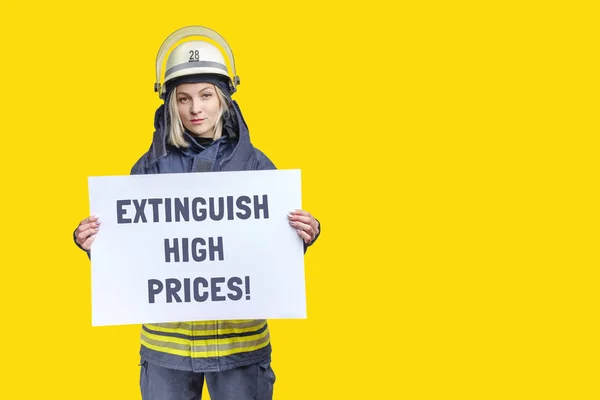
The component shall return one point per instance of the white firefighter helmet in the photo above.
(194, 57)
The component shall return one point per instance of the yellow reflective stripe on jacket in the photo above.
(204, 339)
(225, 327)
(220, 341)
(204, 354)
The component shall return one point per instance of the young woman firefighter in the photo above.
(199, 128)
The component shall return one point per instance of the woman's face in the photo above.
(199, 107)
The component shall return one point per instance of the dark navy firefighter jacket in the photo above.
(205, 346)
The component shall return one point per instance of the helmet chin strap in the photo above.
(183, 33)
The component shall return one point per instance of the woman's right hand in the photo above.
(86, 232)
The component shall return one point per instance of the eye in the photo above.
(183, 99)
(206, 95)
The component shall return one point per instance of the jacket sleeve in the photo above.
(89, 253)
(316, 237)
(263, 163)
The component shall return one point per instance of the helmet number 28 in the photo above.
(194, 55)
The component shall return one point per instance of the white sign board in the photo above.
(196, 246)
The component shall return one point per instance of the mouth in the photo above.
(197, 121)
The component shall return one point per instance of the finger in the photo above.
(90, 225)
(87, 245)
(86, 227)
(307, 220)
(305, 236)
(305, 227)
(299, 213)
(301, 218)
(83, 235)
(86, 230)
(91, 218)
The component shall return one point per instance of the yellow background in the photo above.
(450, 150)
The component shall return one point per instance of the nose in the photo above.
(196, 108)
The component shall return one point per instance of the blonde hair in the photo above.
(176, 135)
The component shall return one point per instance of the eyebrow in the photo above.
(187, 94)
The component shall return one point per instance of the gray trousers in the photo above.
(253, 382)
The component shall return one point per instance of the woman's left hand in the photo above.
(305, 224)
